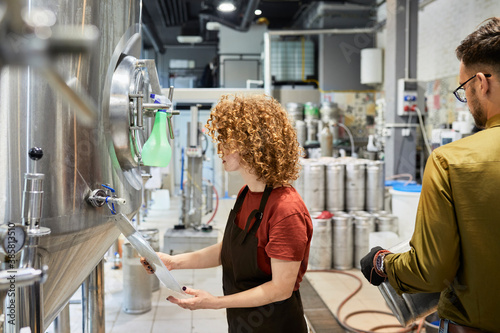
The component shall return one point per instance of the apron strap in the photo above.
(239, 200)
(258, 214)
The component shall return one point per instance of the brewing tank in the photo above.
(79, 157)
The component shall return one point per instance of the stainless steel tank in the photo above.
(78, 157)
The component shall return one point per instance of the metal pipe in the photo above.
(321, 32)
(93, 316)
(193, 138)
(267, 64)
(36, 307)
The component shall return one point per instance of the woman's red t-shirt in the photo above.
(285, 231)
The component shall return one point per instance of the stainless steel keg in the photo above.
(355, 185)
(335, 186)
(362, 227)
(295, 111)
(311, 111)
(152, 236)
(314, 186)
(136, 283)
(375, 186)
(320, 253)
(312, 131)
(328, 111)
(387, 222)
(342, 241)
(301, 129)
(408, 307)
(299, 183)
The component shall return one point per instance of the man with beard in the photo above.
(456, 241)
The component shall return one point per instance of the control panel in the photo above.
(407, 97)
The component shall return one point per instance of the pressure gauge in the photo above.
(12, 238)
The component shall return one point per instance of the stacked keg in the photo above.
(310, 118)
(353, 191)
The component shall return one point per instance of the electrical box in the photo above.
(407, 97)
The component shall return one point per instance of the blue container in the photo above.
(414, 188)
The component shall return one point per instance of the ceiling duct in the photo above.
(240, 19)
(324, 15)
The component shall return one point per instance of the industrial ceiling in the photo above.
(164, 20)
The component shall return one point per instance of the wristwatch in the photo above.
(379, 264)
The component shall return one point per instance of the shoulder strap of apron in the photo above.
(237, 206)
(239, 200)
(258, 214)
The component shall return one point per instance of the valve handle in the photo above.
(35, 153)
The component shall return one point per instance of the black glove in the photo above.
(367, 268)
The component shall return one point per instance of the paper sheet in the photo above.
(145, 250)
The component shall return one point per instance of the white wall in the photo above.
(442, 25)
(233, 41)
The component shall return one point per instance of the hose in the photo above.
(410, 177)
(343, 322)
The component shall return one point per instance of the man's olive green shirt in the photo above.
(455, 248)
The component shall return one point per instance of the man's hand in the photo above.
(372, 274)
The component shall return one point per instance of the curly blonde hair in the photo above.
(259, 129)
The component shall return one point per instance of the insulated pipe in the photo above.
(93, 316)
(267, 45)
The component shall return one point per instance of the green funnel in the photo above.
(157, 151)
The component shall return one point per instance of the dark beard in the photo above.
(477, 110)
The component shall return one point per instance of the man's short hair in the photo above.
(482, 47)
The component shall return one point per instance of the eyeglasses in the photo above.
(460, 91)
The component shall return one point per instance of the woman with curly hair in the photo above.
(265, 249)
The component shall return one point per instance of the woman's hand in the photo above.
(201, 300)
(167, 260)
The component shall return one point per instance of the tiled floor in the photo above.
(164, 316)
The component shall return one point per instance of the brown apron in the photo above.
(241, 272)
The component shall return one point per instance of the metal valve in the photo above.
(100, 197)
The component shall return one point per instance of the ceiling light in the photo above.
(226, 7)
(258, 12)
(189, 39)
